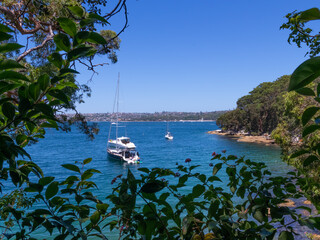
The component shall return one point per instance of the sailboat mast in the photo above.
(117, 114)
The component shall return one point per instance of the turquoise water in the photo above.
(191, 140)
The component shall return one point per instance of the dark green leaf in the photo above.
(68, 26)
(62, 41)
(305, 73)
(56, 58)
(8, 110)
(153, 186)
(80, 52)
(96, 38)
(78, 11)
(45, 109)
(4, 28)
(258, 215)
(52, 190)
(310, 129)
(299, 153)
(59, 95)
(306, 91)
(308, 114)
(97, 17)
(310, 14)
(86, 161)
(94, 218)
(71, 167)
(9, 47)
(66, 71)
(286, 236)
(45, 180)
(9, 64)
(34, 91)
(310, 159)
(216, 168)
(5, 36)
(12, 75)
(198, 190)
(44, 81)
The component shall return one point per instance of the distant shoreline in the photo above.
(245, 138)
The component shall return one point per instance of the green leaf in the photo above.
(198, 190)
(45, 180)
(8, 110)
(4, 28)
(68, 26)
(216, 168)
(146, 170)
(96, 38)
(94, 218)
(52, 190)
(45, 109)
(153, 186)
(63, 43)
(86, 161)
(310, 159)
(9, 64)
(34, 91)
(310, 14)
(308, 114)
(310, 129)
(71, 167)
(12, 75)
(44, 81)
(9, 47)
(4, 36)
(80, 52)
(56, 58)
(305, 73)
(66, 71)
(299, 153)
(306, 91)
(59, 95)
(98, 17)
(258, 215)
(286, 236)
(76, 10)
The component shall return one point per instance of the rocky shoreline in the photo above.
(245, 138)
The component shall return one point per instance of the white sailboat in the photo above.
(168, 134)
(121, 147)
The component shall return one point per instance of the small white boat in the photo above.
(121, 148)
(168, 134)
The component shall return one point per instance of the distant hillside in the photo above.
(157, 116)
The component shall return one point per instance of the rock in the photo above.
(307, 202)
(287, 203)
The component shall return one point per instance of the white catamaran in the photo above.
(121, 147)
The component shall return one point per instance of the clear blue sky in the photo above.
(183, 55)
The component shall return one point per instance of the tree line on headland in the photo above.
(269, 109)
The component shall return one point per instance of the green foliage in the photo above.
(260, 111)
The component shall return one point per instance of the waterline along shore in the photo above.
(265, 139)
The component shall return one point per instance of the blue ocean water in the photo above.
(191, 140)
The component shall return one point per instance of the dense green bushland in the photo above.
(260, 111)
(248, 209)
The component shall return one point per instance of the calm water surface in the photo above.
(191, 140)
